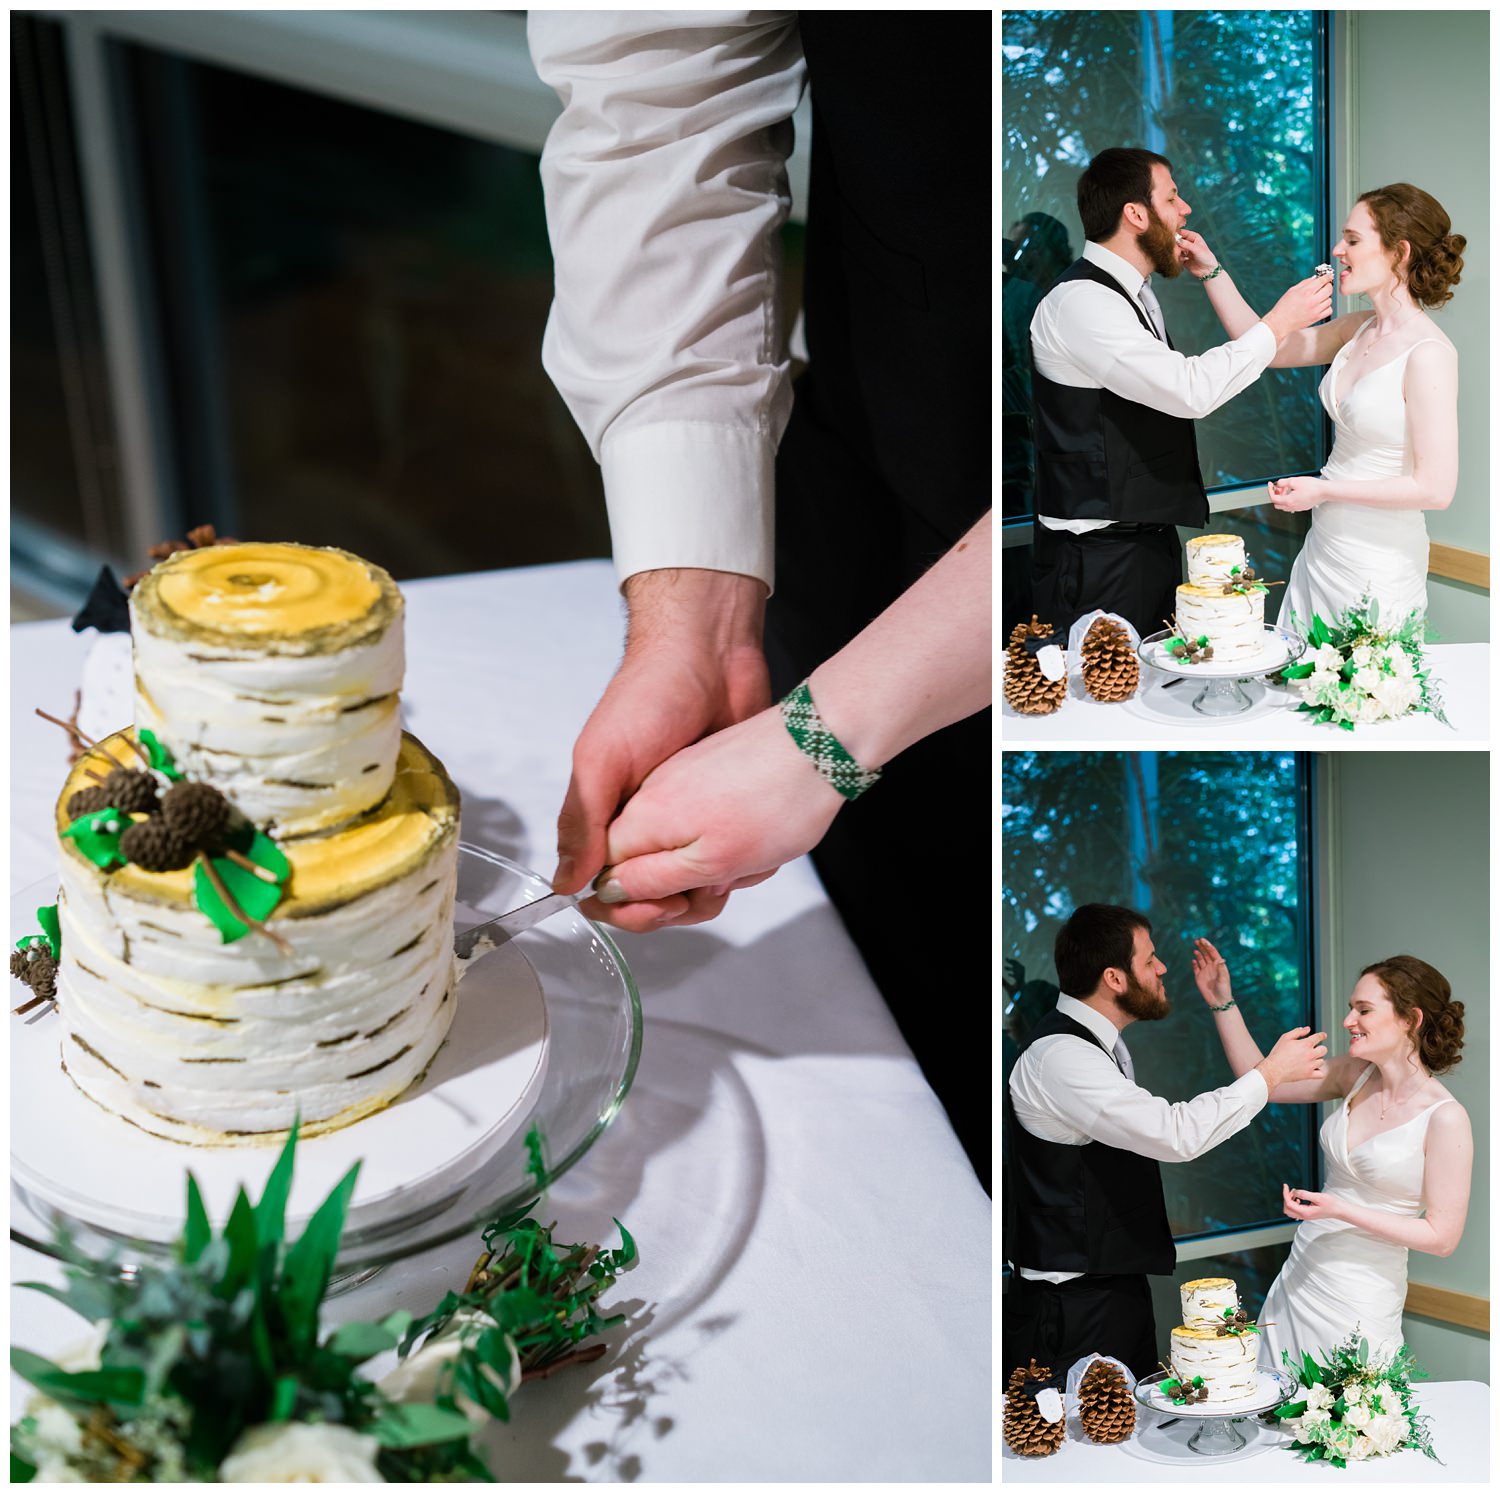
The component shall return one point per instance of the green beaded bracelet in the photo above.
(835, 766)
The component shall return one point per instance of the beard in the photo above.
(1142, 1002)
(1159, 245)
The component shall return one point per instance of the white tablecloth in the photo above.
(1460, 1419)
(813, 1297)
(1462, 670)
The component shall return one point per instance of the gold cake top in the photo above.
(1200, 540)
(1206, 1282)
(1202, 1334)
(267, 596)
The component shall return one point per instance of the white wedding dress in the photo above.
(1352, 549)
(1339, 1279)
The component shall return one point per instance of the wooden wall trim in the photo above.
(1455, 564)
(1448, 1306)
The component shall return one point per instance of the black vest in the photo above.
(1099, 455)
(1093, 1207)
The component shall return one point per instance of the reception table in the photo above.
(813, 1299)
(1462, 671)
(1460, 1421)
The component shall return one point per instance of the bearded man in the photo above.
(1085, 1219)
(1113, 402)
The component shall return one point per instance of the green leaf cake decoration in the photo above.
(161, 758)
(97, 836)
(51, 932)
(256, 897)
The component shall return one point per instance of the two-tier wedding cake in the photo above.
(270, 672)
(1216, 1343)
(1222, 601)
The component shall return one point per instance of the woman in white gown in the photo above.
(1391, 391)
(1397, 1153)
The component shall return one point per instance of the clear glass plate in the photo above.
(593, 1047)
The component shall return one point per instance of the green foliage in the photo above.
(160, 757)
(258, 898)
(226, 1337)
(97, 836)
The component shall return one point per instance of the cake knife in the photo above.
(498, 931)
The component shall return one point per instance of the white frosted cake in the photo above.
(1205, 1346)
(271, 672)
(1215, 604)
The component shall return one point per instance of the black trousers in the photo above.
(846, 546)
(1133, 572)
(1059, 1324)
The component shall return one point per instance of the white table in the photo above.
(813, 1298)
(1460, 1418)
(1462, 670)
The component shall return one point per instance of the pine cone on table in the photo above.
(1027, 690)
(1111, 670)
(1105, 1405)
(1026, 1433)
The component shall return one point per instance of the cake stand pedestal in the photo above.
(1213, 1430)
(1221, 694)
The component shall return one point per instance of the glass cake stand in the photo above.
(548, 1032)
(1221, 695)
(1208, 1430)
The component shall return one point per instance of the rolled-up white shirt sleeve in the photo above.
(1080, 1090)
(1087, 329)
(665, 183)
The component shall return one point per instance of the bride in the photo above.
(1397, 1156)
(1391, 391)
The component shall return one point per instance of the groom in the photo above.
(1084, 1219)
(1113, 402)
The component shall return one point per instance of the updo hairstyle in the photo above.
(1402, 211)
(1415, 986)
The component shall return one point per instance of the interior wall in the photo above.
(1410, 874)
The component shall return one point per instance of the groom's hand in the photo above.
(1307, 302)
(1210, 973)
(1194, 252)
(1298, 1054)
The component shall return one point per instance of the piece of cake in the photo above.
(1215, 1343)
(1221, 601)
(271, 672)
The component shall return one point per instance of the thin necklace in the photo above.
(1404, 1100)
(1375, 339)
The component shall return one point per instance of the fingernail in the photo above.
(610, 892)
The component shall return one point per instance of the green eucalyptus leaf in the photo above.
(87, 1295)
(196, 1231)
(103, 1386)
(270, 1211)
(362, 1340)
(418, 1425)
(239, 1234)
(309, 1263)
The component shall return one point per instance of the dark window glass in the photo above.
(1210, 843)
(1237, 101)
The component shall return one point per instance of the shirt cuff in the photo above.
(1265, 336)
(1251, 1088)
(690, 495)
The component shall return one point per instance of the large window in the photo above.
(1210, 843)
(1237, 100)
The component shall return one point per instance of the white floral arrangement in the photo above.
(1353, 1407)
(1354, 674)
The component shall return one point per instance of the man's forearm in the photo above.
(712, 609)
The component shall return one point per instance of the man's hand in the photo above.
(721, 814)
(1210, 973)
(1297, 1055)
(1307, 302)
(1195, 253)
(694, 663)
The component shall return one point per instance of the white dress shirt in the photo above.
(665, 188)
(1070, 1092)
(1084, 336)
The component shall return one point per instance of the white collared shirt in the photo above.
(665, 188)
(1070, 1092)
(1084, 336)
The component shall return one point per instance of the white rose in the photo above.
(56, 1432)
(86, 1352)
(1387, 1432)
(1397, 695)
(1353, 1393)
(1367, 680)
(1319, 1397)
(1401, 663)
(295, 1452)
(418, 1378)
(1358, 1416)
(1363, 1447)
(1326, 659)
(55, 1470)
(1362, 656)
(1316, 1416)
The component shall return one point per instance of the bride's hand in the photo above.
(1210, 973)
(1304, 1206)
(1194, 253)
(1294, 494)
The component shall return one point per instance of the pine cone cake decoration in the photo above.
(153, 846)
(131, 790)
(1111, 671)
(1105, 1405)
(1026, 1432)
(1027, 690)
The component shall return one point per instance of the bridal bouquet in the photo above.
(1352, 1408)
(1353, 673)
(212, 1368)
